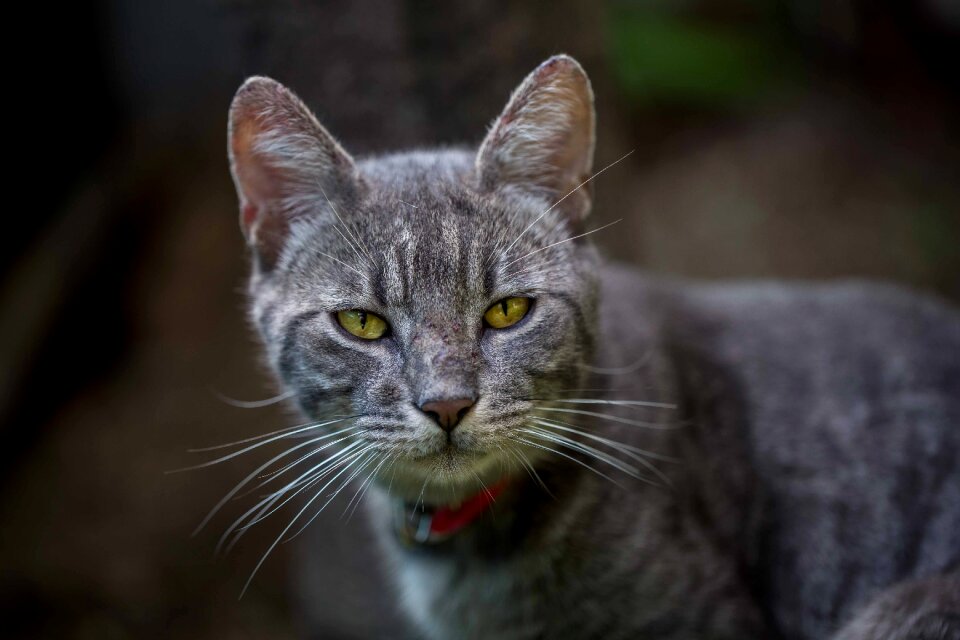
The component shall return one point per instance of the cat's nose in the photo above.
(447, 413)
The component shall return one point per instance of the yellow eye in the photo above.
(507, 312)
(362, 324)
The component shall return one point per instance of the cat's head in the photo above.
(432, 295)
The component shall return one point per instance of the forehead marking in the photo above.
(409, 244)
(393, 276)
(450, 240)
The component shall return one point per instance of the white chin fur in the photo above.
(444, 479)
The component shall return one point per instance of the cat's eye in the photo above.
(507, 312)
(362, 324)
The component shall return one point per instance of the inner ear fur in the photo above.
(284, 164)
(542, 143)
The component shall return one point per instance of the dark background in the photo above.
(780, 138)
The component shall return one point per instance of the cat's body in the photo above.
(820, 463)
(443, 314)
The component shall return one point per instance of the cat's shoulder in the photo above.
(866, 308)
(806, 335)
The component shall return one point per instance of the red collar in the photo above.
(424, 525)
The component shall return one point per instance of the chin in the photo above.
(445, 477)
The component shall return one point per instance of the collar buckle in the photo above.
(413, 524)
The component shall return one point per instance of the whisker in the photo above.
(393, 475)
(615, 371)
(616, 403)
(565, 426)
(270, 437)
(377, 455)
(285, 430)
(634, 453)
(591, 389)
(364, 487)
(557, 203)
(279, 472)
(524, 460)
(348, 229)
(307, 480)
(259, 470)
(356, 252)
(422, 489)
(335, 259)
(484, 487)
(553, 244)
(253, 404)
(287, 528)
(569, 457)
(389, 455)
(526, 466)
(266, 505)
(540, 267)
(586, 449)
(344, 483)
(635, 423)
(269, 477)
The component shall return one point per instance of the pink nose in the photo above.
(447, 413)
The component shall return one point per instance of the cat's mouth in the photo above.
(442, 467)
(450, 459)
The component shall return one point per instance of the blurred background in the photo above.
(774, 138)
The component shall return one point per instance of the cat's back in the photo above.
(834, 412)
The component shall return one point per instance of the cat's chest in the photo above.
(466, 598)
(450, 597)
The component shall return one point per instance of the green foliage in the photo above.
(659, 56)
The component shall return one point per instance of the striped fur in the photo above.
(817, 428)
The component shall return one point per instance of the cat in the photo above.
(550, 446)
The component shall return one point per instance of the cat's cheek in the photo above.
(385, 391)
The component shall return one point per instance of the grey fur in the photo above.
(817, 426)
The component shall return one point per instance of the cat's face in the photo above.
(432, 297)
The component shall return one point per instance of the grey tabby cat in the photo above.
(552, 447)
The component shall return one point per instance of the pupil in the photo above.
(503, 305)
(363, 319)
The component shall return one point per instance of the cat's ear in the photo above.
(284, 164)
(543, 141)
